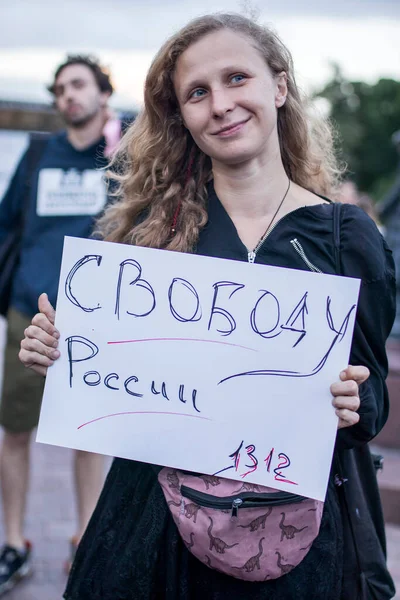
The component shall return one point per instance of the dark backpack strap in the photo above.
(37, 145)
(337, 210)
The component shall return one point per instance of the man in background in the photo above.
(66, 192)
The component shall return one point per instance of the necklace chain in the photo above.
(264, 235)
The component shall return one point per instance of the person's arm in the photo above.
(12, 202)
(365, 254)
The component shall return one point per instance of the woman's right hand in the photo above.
(39, 347)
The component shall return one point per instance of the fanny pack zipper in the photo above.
(299, 249)
(244, 500)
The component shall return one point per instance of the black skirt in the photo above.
(132, 551)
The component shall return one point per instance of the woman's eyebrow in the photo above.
(224, 71)
(191, 84)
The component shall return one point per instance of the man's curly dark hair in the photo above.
(100, 73)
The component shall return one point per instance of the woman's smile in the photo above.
(231, 129)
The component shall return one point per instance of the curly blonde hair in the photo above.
(161, 175)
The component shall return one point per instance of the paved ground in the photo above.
(50, 523)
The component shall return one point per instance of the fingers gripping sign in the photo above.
(39, 348)
(46, 309)
(346, 398)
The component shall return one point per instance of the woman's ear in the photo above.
(281, 89)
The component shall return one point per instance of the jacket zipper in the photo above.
(251, 256)
(299, 249)
(245, 500)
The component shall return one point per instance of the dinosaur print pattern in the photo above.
(260, 542)
(210, 480)
(254, 561)
(208, 561)
(215, 542)
(191, 511)
(191, 543)
(248, 487)
(188, 510)
(285, 569)
(256, 523)
(289, 531)
(308, 546)
(173, 480)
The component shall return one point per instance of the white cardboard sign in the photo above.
(204, 364)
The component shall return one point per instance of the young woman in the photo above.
(223, 161)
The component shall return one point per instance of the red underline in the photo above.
(181, 340)
(143, 412)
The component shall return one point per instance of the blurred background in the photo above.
(347, 58)
(346, 54)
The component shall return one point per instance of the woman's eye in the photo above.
(237, 78)
(199, 93)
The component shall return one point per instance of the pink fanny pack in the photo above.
(248, 531)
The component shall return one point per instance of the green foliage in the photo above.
(366, 116)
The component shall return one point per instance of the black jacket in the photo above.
(364, 254)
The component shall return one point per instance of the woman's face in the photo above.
(228, 98)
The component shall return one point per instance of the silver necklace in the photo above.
(252, 255)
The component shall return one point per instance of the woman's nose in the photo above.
(222, 102)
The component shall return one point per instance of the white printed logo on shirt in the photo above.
(71, 192)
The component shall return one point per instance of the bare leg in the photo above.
(14, 474)
(89, 479)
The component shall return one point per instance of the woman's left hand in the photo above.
(345, 392)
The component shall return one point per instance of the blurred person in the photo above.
(366, 203)
(66, 193)
(389, 213)
(348, 193)
(222, 162)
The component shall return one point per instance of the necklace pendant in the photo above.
(251, 256)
